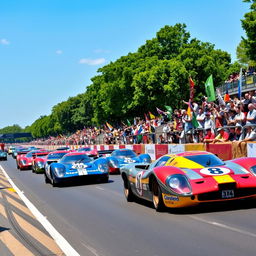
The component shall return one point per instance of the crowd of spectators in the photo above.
(234, 120)
(245, 72)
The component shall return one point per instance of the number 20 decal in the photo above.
(215, 171)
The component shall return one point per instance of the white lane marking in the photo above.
(217, 224)
(92, 250)
(100, 188)
(59, 239)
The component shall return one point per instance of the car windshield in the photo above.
(29, 154)
(74, 158)
(206, 160)
(56, 155)
(124, 154)
(83, 149)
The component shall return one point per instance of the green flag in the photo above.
(209, 88)
(194, 121)
(169, 111)
(128, 122)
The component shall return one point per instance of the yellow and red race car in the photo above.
(190, 178)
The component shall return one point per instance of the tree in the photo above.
(249, 25)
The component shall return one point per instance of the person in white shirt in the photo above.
(251, 115)
(240, 116)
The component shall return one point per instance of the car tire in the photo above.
(157, 197)
(128, 191)
(46, 179)
(54, 182)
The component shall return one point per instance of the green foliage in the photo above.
(249, 25)
(11, 129)
(154, 76)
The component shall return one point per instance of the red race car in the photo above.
(24, 161)
(190, 178)
(39, 160)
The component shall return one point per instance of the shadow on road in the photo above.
(243, 204)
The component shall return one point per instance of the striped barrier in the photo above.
(225, 151)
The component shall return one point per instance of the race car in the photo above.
(25, 161)
(74, 166)
(52, 157)
(190, 178)
(10, 149)
(3, 155)
(38, 161)
(122, 157)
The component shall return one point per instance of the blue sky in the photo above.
(50, 49)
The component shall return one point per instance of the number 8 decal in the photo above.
(215, 171)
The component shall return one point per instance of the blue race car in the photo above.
(3, 155)
(122, 157)
(74, 166)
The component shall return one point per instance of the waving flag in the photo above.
(110, 127)
(191, 85)
(151, 115)
(159, 111)
(209, 88)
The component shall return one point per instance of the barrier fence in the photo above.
(225, 151)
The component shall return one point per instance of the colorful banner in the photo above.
(249, 80)
(161, 150)
(151, 150)
(175, 148)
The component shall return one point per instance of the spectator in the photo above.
(251, 115)
(208, 122)
(238, 133)
(200, 118)
(209, 137)
(250, 134)
(222, 136)
(240, 116)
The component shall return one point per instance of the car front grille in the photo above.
(217, 195)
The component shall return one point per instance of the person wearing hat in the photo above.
(250, 134)
(222, 135)
(209, 137)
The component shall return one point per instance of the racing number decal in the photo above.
(215, 171)
(138, 183)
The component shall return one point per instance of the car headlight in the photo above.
(103, 167)
(40, 164)
(23, 162)
(60, 171)
(113, 163)
(179, 184)
(253, 169)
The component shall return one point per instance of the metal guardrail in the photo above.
(248, 84)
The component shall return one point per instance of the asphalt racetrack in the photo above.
(96, 220)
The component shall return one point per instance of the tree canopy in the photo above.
(246, 51)
(155, 75)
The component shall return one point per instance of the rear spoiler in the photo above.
(22, 152)
(34, 155)
(105, 152)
